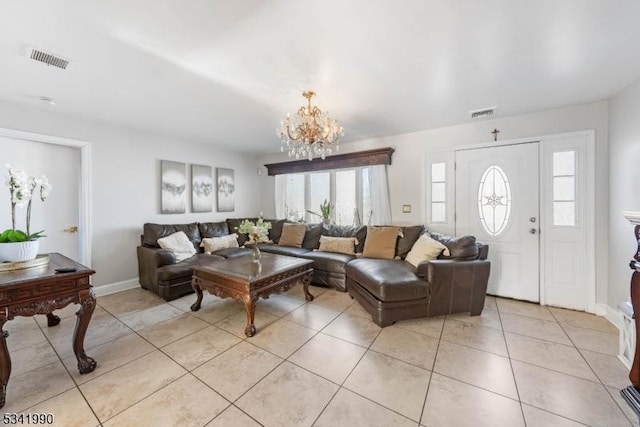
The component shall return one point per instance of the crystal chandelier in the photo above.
(310, 132)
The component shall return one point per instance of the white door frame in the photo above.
(441, 155)
(85, 181)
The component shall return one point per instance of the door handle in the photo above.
(533, 231)
(71, 230)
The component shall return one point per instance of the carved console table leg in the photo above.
(305, 286)
(52, 320)
(250, 307)
(196, 305)
(5, 364)
(87, 304)
(632, 393)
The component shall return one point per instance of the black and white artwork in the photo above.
(201, 189)
(173, 187)
(226, 189)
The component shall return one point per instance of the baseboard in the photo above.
(112, 288)
(611, 314)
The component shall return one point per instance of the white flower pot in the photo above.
(19, 251)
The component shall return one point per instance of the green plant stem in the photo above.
(29, 217)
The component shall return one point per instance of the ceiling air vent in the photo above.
(483, 112)
(47, 58)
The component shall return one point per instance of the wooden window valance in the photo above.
(379, 156)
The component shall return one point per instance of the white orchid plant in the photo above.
(22, 189)
(257, 232)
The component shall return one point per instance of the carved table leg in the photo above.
(87, 304)
(52, 320)
(250, 307)
(632, 393)
(305, 286)
(196, 305)
(5, 364)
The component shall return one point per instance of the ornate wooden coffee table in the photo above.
(242, 279)
(40, 290)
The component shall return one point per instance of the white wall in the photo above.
(125, 182)
(406, 174)
(624, 194)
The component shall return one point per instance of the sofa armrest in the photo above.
(155, 257)
(149, 260)
(455, 286)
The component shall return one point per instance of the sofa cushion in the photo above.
(312, 236)
(179, 244)
(292, 235)
(425, 248)
(381, 242)
(213, 244)
(276, 229)
(185, 268)
(214, 229)
(153, 232)
(408, 238)
(343, 245)
(387, 280)
(283, 250)
(359, 233)
(462, 248)
(328, 261)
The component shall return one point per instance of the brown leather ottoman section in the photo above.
(387, 313)
(174, 281)
(388, 280)
(329, 268)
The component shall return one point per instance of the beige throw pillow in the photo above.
(292, 235)
(381, 242)
(212, 244)
(343, 245)
(425, 248)
(179, 244)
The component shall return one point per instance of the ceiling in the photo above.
(225, 72)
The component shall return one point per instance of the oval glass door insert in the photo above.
(494, 200)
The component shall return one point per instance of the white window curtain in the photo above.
(281, 192)
(380, 203)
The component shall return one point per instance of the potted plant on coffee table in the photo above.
(17, 245)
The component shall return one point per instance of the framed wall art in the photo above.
(226, 189)
(173, 187)
(201, 189)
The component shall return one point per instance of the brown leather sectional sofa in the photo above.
(390, 290)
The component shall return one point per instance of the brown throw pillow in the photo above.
(381, 242)
(292, 235)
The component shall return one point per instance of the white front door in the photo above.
(497, 200)
(60, 211)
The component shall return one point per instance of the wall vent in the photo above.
(47, 58)
(483, 112)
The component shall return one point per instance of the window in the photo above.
(564, 188)
(494, 200)
(345, 197)
(438, 192)
(319, 191)
(347, 189)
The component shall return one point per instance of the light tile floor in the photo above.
(322, 363)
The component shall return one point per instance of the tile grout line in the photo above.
(515, 382)
(435, 358)
(593, 370)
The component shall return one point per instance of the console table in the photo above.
(632, 393)
(40, 290)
